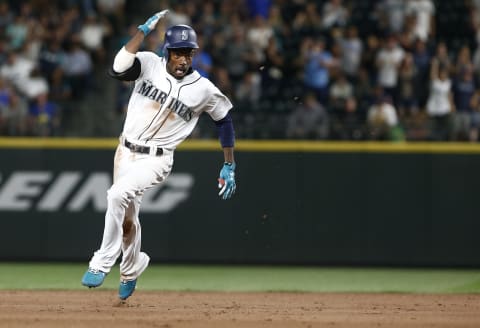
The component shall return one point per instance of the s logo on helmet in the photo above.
(184, 35)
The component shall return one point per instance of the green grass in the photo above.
(49, 276)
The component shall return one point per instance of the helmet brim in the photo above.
(179, 45)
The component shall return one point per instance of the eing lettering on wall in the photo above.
(73, 191)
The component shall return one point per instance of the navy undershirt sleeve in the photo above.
(225, 130)
(130, 74)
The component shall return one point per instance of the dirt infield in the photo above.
(100, 308)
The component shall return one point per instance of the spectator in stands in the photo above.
(340, 90)
(16, 69)
(177, 14)
(363, 90)
(352, 48)
(473, 135)
(369, 56)
(407, 88)
(382, 119)
(391, 15)
(314, 19)
(78, 68)
(421, 59)
(335, 67)
(24, 76)
(334, 13)
(271, 69)
(16, 115)
(33, 44)
(407, 36)
(463, 61)
(275, 20)
(17, 32)
(258, 36)
(5, 96)
(44, 117)
(473, 7)
(464, 88)
(440, 103)
(207, 19)
(50, 61)
(222, 81)
(6, 15)
(69, 24)
(248, 91)
(442, 57)
(318, 61)
(244, 44)
(388, 61)
(202, 61)
(237, 55)
(350, 126)
(93, 36)
(423, 13)
(113, 10)
(300, 25)
(417, 127)
(309, 120)
(476, 57)
(35, 84)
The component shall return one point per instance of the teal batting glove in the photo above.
(152, 22)
(226, 181)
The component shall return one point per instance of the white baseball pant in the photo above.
(133, 174)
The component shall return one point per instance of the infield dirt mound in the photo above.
(100, 308)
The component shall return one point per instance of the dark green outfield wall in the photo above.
(307, 207)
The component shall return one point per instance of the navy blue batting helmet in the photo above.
(179, 36)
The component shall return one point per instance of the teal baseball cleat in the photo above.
(126, 288)
(93, 278)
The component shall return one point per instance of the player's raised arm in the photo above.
(125, 67)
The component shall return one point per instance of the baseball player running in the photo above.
(164, 107)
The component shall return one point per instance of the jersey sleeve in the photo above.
(147, 60)
(218, 105)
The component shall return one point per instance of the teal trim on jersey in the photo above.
(257, 145)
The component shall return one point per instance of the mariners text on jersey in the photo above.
(148, 90)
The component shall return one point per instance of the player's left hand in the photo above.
(226, 181)
(150, 24)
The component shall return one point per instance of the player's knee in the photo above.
(117, 196)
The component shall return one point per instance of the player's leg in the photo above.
(99, 265)
(134, 262)
(119, 197)
(132, 177)
(125, 195)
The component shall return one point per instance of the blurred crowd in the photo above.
(47, 55)
(299, 69)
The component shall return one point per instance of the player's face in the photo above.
(180, 61)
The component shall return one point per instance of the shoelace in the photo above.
(94, 271)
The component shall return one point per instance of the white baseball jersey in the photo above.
(162, 110)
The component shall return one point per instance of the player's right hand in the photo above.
(226, 181)
(150, 24)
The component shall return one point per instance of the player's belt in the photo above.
(140, 149)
